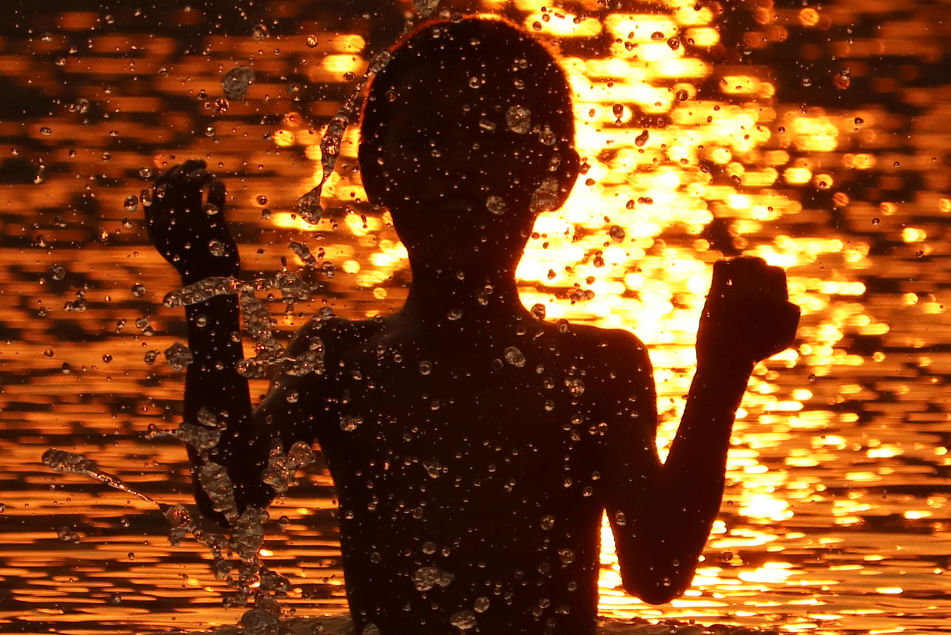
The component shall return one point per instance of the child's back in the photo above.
(469, 466)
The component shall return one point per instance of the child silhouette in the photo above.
(474, 447)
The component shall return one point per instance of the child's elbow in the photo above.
(658, 588)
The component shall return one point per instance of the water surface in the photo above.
(815, 136)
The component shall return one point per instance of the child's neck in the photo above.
(447, 297)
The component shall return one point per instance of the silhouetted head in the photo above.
(466, 135)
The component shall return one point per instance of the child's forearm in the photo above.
(214, 388)
(696, 463)
(669, 511)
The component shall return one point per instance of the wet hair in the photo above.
(496, 65)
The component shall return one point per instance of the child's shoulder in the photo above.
(614, 351)
(601, 339)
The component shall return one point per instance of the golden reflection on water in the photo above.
(835, 515)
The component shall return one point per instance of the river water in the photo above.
(813, 135)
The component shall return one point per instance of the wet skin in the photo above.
(475, 447)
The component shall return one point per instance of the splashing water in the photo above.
(200, 437)
(258, 324)
(281, 467)
(254, 581)
(308, 206)
(201, 291)
(67, 462)
(217, 484)
(303, 252)
(180, 519)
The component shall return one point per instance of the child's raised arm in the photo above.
(661, 513)
(193, 236)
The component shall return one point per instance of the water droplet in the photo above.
(481, 604)
(545, 196)
(518, 119)
(673, 43)
(575, 386)
(311, 41)
(48, 352)
(641, 139)
(350, 423)
(620, 519)
(46, 131)
(617, 233)
(496, 205)
(138, 290)
(618, 110)
(538, 310)
(463, 620)
(548, 521)
(237, 81)
(657, 36)
(259, 32)
(682, 95)
(57, 272)
(209, 131)
(425, 7)
(131, 203)
(178, 356)
(425, 367)
(425, 578)
(380, 61)
(487, 124)
(567, 556)
(547, 137)
(216, 247)
(308, 207)
(514, 357)
(261, 199)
